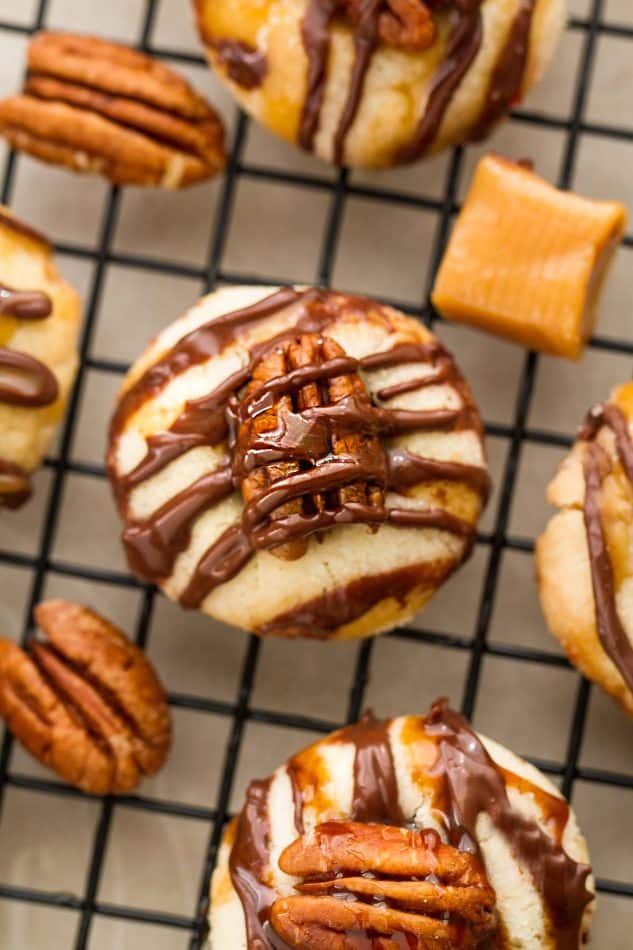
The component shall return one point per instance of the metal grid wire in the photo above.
(517, 433)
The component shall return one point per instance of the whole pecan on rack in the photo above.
(388, 885)
(282, 430)
(403, 24)
(85, 701)
(95, 106)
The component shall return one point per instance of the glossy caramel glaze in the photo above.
(464, 782)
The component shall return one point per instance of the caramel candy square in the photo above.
(527, 261)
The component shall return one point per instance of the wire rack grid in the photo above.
(517, 433)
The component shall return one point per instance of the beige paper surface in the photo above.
(153, 859)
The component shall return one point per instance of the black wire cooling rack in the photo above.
(517, 434)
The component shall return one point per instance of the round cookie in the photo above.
(297, 462)
(415, 830)
(585, 555)
(39, 323)
(384, 82)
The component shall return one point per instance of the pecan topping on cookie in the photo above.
(391, 883)
(404, 24)
(85, 701)
(94, 106)
(285, 428)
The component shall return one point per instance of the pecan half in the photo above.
(85, 702)
(94, 106)
(283, 430)
(382, 887)
(403, 24)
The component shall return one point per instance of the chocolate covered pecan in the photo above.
(98, 107)
(282, 433)
(85, 701)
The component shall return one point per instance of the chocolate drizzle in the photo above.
(24, 304)
(407, 469)
(463, 46)
(152, 547)
(596, 465)
(244, 64)
(305, 436)
(375, 797)
(412, 385)
(24, 380)
(464, 42)
(365, 42)
(249, 862)
(196, 347)
(15, 485)
(334, 608)
(474, 785)
(466, 783)
(315, 33)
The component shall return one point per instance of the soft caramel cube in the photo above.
(527, 261)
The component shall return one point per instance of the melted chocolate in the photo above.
(315, 33)
(196, 347)
(365, 42)
(153, 546)
(224, 559)
(249, 862)
(25, 381)
(596, 465)
(403, 353)
(236, 546)
(474, 785)
(316, 310)
(202, 422)
(463, 46)
(504, 90)
(342, 605)
(348, 415)
(24, 304)
(407, 469)
(466, 781)
(297, 795)
(375, 797)
(411, 385)
(305, 436)
(325, 475)
(611, 631)
(612, 416)
(244, 64)
(15, 485)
